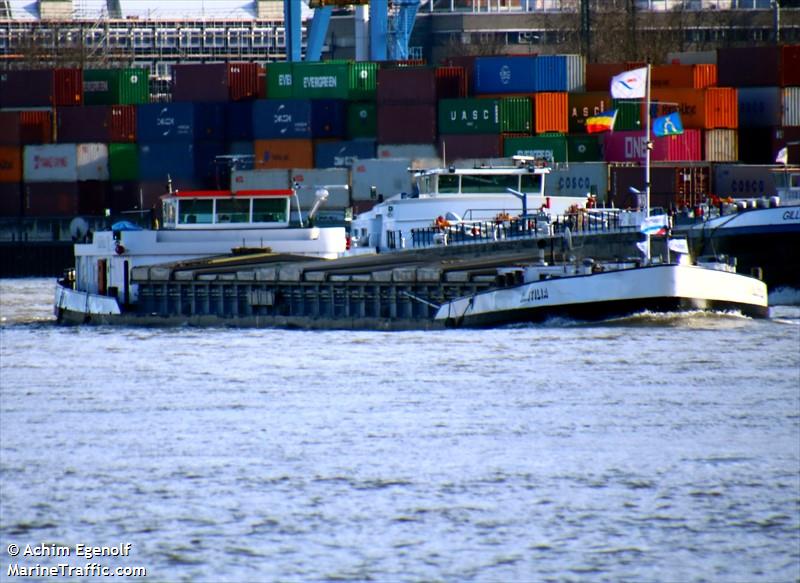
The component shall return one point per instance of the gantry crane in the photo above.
(390, 25)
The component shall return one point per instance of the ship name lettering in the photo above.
(792, 215)
(536, 294)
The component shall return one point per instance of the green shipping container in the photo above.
(320, 80)
(123, 162)
(363, 81)
(116, 86)
(550, 147)
(469, 116)
(629, 115)
(362, 120)
(584, 148)
(516, 115)
(279, 80)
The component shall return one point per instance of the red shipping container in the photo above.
(10, 164)
(50, 199)
(451, 83)
(215, 82)
(407, 124)
(36, 127)
(26, 88)
(91, 123)
(630, 147)
(749, 66)
(93, 197)
(67, 87)
(671, 186)
(123, 123)
(123, 196)
(551, 111)
(467, 62)
(10, 128)
(10, 199)
(406, 85)
(598, 75)
(790, 66)
(460, 147)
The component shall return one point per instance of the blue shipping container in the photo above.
(239, 121)
(342, 154)
(504, 75)
(207, 173)
(180, 122)
(157, 160)
(281, 118)
(328, 118)
(551, 73)
(759, 107)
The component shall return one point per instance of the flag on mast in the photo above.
(602, 122)
(783, 156)
(630, 84)
(668, 125)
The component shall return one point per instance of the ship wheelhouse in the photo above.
(221, 209)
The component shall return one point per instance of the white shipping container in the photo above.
(389, 176)
(50, 163)
(578, 179)
(310, 179)
(412, 151)
(791, 107)
(721, 145)
(576, 73)
(92, 162)
(693, 58)
(744, 180)
(259, 179)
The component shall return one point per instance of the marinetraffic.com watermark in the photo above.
(79, 560)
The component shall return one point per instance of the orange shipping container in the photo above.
(283, 154)
(703, 109)
(10, 164)
(551, 111)
(67, 87)
(35, 127)
(684, 76)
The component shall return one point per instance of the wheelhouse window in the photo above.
(233, 210)
(448, 183)
(531, 183)
(270, 210)
(472, 183)
(196, 212)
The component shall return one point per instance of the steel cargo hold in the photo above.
(406, 124)
(89, 123)
(123, 162)
(179, 122)
(630, 147)
(468, 116)
(552, 148)
(560, 73)
(50, 163)
(215, 82)
(239, 120)
(10, 130)
(389, 176)
(123, 123)
(328, 118)
(342, 154)
(26, 88)
(584, 148)
(750, 66)
(551, 113)
(470, 146)
(406, 86)
(759, 107)
(504, 75)
(578, 179)
(159, 160)
(10, 163)
(451, 83)
(283, 154)
(92, 161)
(93, 198)
(791, 107)
(744, 180)
(10, 199)
(583, 105)
(36, 127)
(516, 115)
(710, 108)
(115, 86)
(310, 179)
(281, 119)
(50, 199)
(67, 87)
(721, 145)
(362, 120)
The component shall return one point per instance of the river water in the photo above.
(655, 448)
